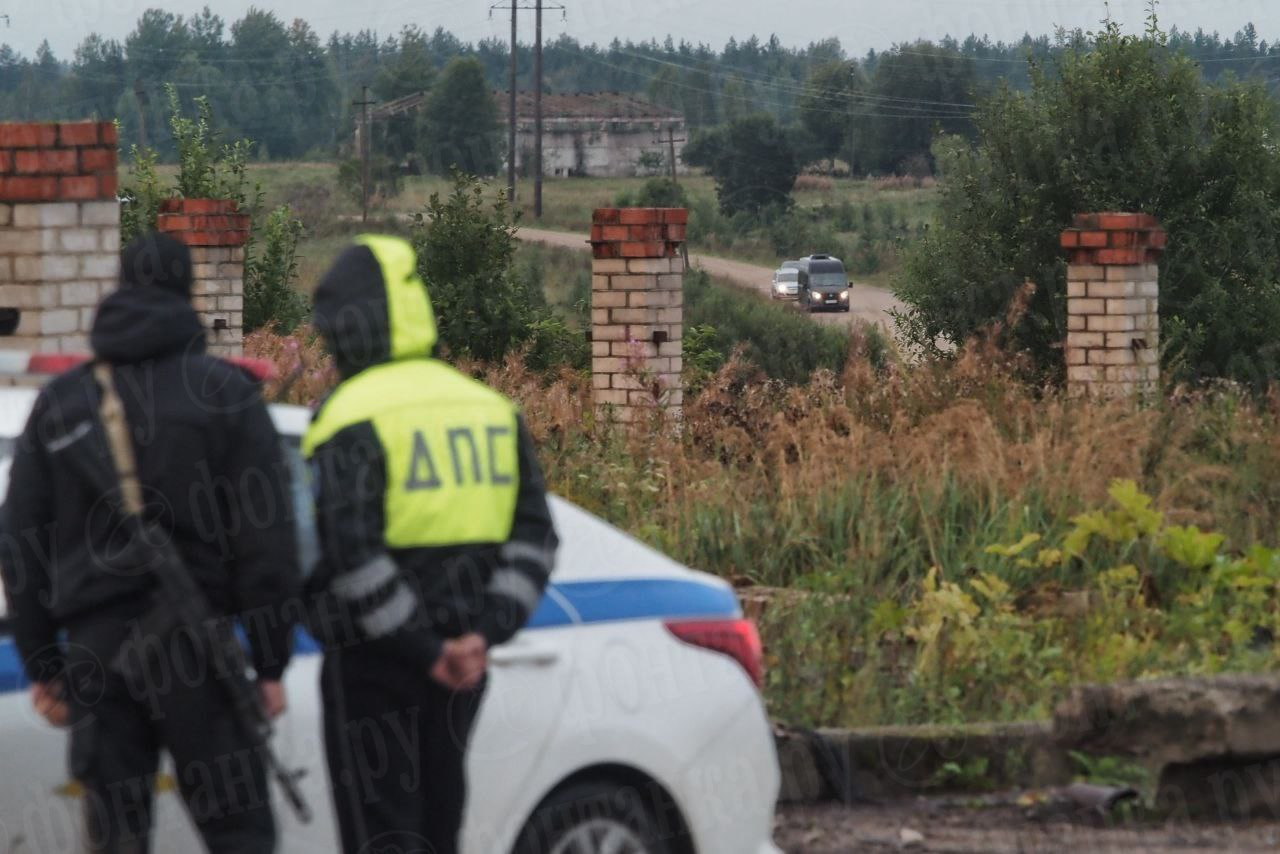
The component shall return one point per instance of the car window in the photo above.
(788, 275)
(827, 280)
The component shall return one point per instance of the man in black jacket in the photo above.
(437, 544)
(215, 481)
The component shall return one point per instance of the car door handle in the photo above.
(523, 655)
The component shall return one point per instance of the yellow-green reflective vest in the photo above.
(450, 450)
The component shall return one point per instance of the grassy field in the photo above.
(864, 221)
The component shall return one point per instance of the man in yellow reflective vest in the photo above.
(436, 545)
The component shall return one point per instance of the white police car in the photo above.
(625, 718)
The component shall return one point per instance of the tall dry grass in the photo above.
(852, 487)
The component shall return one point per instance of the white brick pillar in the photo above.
(1113, 317)
(216, 233)
(59, 230)
(637, 310)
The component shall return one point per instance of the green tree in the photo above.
(1121, 123)
(752, 161)
(826, 107)
(465, 251)
(460, 122)
(916, 92)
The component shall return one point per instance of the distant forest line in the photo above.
(291, 91)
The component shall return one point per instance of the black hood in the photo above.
(143, 322)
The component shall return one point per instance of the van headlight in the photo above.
(844, 295)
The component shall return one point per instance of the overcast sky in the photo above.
(859, 24)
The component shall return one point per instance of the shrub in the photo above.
(269, 297)
(1123, 123)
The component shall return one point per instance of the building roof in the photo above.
(586, 105)
(609, 106)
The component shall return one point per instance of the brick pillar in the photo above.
(1113, 321)
(637, 308)
(216, 233)
(59, 230)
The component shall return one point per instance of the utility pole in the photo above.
(537, 102)
(671, 150)
(537, 112)
(363, 104)
(511, 117)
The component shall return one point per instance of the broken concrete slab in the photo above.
(1213, 744)
(891, 762)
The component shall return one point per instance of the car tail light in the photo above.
(56, 363)
(737, 639)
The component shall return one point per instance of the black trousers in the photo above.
(119, 729)
(396, 744)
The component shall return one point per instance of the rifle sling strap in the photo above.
(119, 441)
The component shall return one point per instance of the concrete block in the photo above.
(204, 271)
(27, 268)
(1084, 373)
(109, 239)
(21, 241)
(608, 333)
(78, 293)
(1077, 356)
(600, 283)
(6, 215)
(1086, 306)
(1151, 290)
(671, 315)
(231, 270)
(20, 296)
(609, 396)
(599, 315)
(608, 365)
(1077, 290)
(59, 321)
(1075, 322)
(1126, 306)
(649, 266)
(609, 299)
(59, 268)
(1112, 290)
(1085, 272)
(232, 302)
(104, 213)
(1085, 340)
(1112, 357)
(634, 283)
(102, 265)
(77, 239)
(1110, 323)
(629, 315)
(608, 266)
(1133, 273)
(671, 282)
(1121, 340)
(626, 382)
(601, 348)
(600, 380)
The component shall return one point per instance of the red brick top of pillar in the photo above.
(57, 161)
(204, 222)
(1113, 239)
(638, 232)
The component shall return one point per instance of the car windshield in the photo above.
(788, 275)
(827, 280)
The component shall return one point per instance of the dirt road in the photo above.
(866, 302)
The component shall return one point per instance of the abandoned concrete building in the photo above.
(597, 134)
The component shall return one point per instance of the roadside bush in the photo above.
(655, 193)
(211, 168)
(386, 181)
(269, 297)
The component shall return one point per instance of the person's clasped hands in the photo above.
(463, 662)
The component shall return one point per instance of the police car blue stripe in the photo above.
(590, 601)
